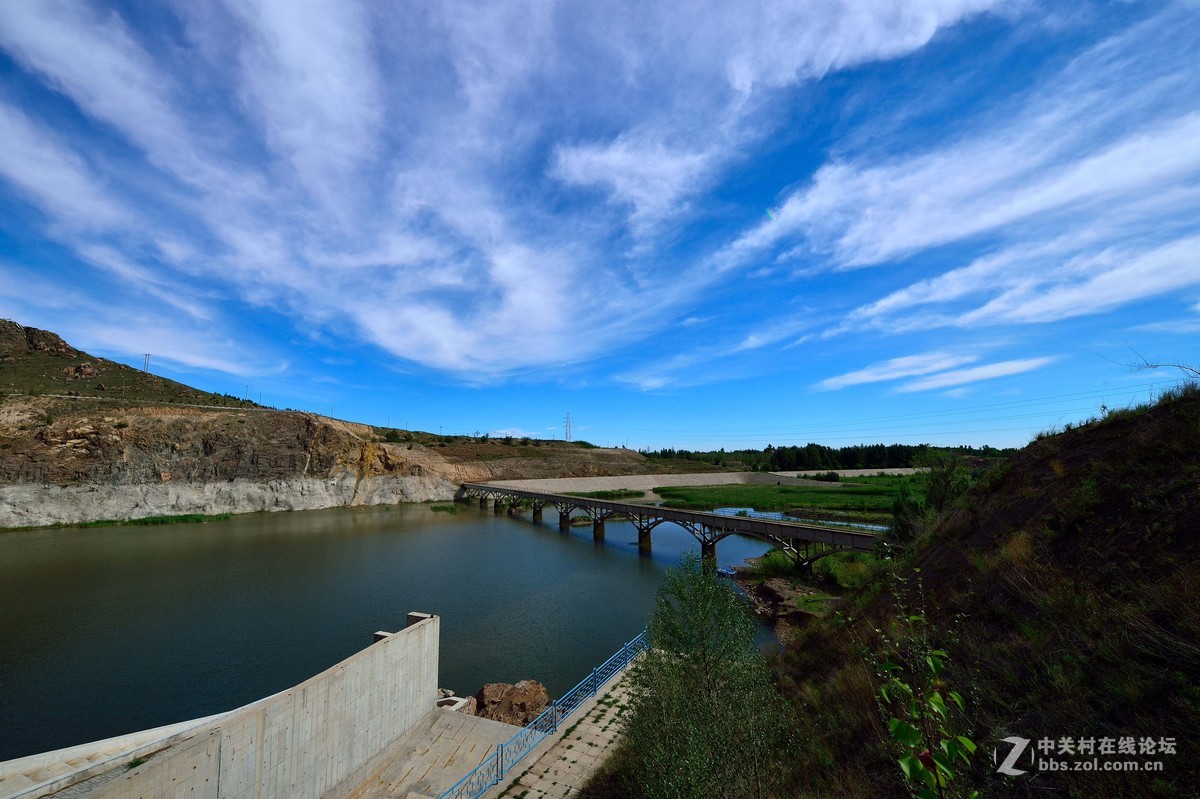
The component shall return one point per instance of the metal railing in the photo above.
(509, 753)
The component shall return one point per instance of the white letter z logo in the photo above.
(1006, 767)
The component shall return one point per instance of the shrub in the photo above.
(705, 720)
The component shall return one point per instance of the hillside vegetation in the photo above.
(1059, 598)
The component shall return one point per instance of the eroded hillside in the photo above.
(84, 438)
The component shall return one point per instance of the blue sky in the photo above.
(686, 224)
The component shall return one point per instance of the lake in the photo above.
(109, 630)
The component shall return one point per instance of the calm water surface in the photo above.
(109, 630)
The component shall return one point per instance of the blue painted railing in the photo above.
(508, 754)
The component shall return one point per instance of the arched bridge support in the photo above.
(803, 553)
(644, 523)
(564, 515)
(598, 518)
(708, 538)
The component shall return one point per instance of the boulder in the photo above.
(516, 704)
(81, 371)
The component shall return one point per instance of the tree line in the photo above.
(818, 456)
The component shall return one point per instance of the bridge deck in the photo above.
(742, 525)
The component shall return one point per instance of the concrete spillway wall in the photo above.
(303, 743)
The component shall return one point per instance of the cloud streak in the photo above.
(895, 369)
(975, 374)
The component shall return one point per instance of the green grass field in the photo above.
(613, 494)
(868, 498)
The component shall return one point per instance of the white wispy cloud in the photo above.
(1087, 195)
(142, 279)
(1094, 284)
(52, 176)
(730, 355)
(648, 176)
(895, 369)
(94, 58)
(460, 184)
(192, 346)
(709, 80)
(976, 374)
(309, 76)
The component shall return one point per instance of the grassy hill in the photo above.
(1064, 588)
(39, 363)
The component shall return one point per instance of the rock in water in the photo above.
(516, 704)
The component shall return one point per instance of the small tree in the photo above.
(705, 719)
(946, 479)
(926, 718)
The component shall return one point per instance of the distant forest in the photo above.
(818, 456)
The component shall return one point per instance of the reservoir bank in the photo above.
(116, 629)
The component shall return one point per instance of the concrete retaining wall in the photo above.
(305, 742)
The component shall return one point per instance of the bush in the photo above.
(705, 720)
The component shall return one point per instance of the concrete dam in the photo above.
(369, 726)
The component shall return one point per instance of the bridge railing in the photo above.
(508, 754)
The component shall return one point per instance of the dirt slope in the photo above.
(1066, 588)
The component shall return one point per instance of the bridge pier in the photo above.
(564, 521)
(598, 528)
(482, 503)
(537, 513)
(708, 551)
(644, 539)
(497, 506)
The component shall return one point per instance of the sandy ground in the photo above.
(850, 472)
(647, 482)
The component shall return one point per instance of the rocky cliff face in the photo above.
(83, 438)
(72, 465)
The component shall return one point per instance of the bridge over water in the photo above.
(804, 542)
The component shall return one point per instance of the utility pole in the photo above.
(567, 427)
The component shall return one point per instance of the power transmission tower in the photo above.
(146, 363)
(567, 427)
